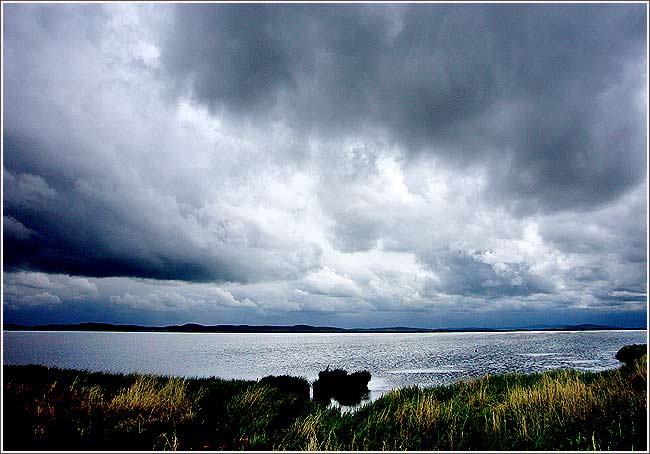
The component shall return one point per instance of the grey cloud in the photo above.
(433, 76)
(463, 273)
(607, 245)
(45, 294)
(93, 232)
(32, 296)
(323, 159)
(234, 54)
(27, 191)
(41, 299)
(102, 174)
(15, 229)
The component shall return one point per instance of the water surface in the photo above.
(393, 359)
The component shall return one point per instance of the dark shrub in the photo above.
(346, 389)
(629, 353)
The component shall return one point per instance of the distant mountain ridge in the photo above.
(197, 328)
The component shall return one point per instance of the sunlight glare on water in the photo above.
(394, 360)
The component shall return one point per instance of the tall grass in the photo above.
(149, 404)
(52, 409)
(60, 413)
(565, 410)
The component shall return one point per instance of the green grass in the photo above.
(53, 409)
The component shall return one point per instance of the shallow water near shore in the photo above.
(394, 360)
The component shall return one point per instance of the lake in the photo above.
(394, 360)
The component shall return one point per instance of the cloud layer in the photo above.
(349, 164)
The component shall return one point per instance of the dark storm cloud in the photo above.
(299, 161)
(91, 230)
(231, 53)
(90, 182)
(465, 274)
(77, 234)
(438, 77)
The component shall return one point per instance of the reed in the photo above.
(556, 410)
(53, 409)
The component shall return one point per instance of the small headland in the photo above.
(346, 389)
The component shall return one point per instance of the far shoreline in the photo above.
(294, 329)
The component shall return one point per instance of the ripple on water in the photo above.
(535, 355)
(425, 371)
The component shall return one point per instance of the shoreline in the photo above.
(64, 409)
(293, 329)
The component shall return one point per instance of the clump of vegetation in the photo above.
(347, 389)
(631, 353)
(53, 409)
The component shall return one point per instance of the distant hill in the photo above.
(197, 328)
(585, 327)
(186, 328)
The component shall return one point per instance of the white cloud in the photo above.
(40, 299)
(327, 281)
(172, 296)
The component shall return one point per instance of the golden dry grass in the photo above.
(559, 410)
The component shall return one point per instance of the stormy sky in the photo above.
(432, 165)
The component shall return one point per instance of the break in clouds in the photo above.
(354, 165)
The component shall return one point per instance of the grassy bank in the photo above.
(53, 409)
